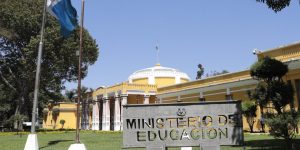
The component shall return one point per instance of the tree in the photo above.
(269, 72)
(62, 122)
(283, 125)
(200, 72)
(20, 25)
(249, 111)
(17, 121)
(260, 96)
(276, 5)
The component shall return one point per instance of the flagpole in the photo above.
(38, 72)
(157, 54)
(79, 73)
(32, 142)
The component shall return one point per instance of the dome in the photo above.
(161, 76)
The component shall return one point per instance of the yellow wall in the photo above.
(140, 81)
(67, 112)
(183, 80)
(69, 117)
(283, 54)
(164, 81)
(122, 88)
(190, 97)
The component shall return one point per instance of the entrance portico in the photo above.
(107, 107)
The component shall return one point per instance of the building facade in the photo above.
(56, 112)
(236, 85)
(167, 85)
(141, 88)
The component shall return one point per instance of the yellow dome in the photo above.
(161, 76)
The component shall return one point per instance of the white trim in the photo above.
(135, 92)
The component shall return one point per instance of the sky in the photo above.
(219, 34)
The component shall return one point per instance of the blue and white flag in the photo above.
(65, 13)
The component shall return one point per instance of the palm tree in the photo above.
(70, 95)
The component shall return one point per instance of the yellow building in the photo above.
(54, 113)
(159, 76)
(141, 88)
(235, 85)
(167, 85)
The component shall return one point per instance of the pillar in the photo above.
(106, 114)
(228, 94)
(103, 114)
(123, 102)
(117, 121)
(95, 122)
(107, 118)
(201, 97)
(178, 98)
(146, 99)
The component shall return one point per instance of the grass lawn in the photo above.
(113, 141)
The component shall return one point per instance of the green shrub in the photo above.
(283, 125)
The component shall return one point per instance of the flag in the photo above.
(65, 13)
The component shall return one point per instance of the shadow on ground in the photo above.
(50, 143)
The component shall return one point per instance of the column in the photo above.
(201, 97)
(228, 94)
(146, 99)
(123, 102)
(178, 98)
(93, 117)
(107, 112)
(117, 114)
(95, 123)
(103, 113)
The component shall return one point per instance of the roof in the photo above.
(158, 71)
